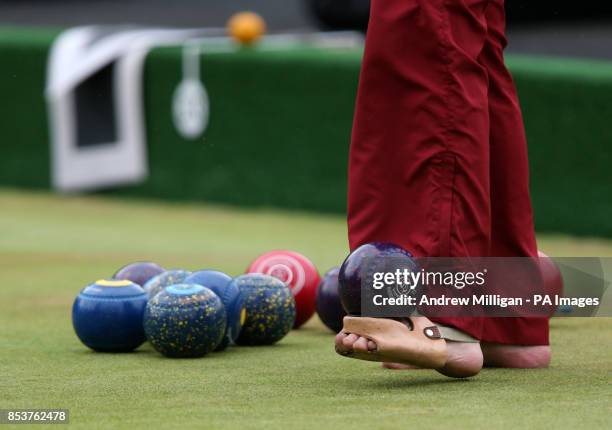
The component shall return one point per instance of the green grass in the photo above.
(51, 246)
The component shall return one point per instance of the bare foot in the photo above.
(399, 366)
(464, 359)
(352, 342)
(516, 356)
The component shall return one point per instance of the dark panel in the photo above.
(95, 109)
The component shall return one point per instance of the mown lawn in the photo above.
(51, 246)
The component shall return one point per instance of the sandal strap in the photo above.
(440, 331)
(449, 333)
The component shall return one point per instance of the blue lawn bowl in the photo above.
(107, 315)
(185, 321)
(165, 279)
(221, 284)
(270, 309)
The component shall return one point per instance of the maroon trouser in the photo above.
(438, 160)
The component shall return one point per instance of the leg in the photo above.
(419, 160)
(509, 342)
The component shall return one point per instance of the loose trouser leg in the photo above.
(512, 232)
(419, 161)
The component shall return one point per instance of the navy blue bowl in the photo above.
(107, 315)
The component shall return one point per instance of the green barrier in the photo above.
(278, 135)
(280, 129)
(567, 109)
(24, 137)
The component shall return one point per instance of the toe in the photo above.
(340, 347)
(349, 340)
(361, 344)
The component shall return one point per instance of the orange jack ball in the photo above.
(246, 27)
